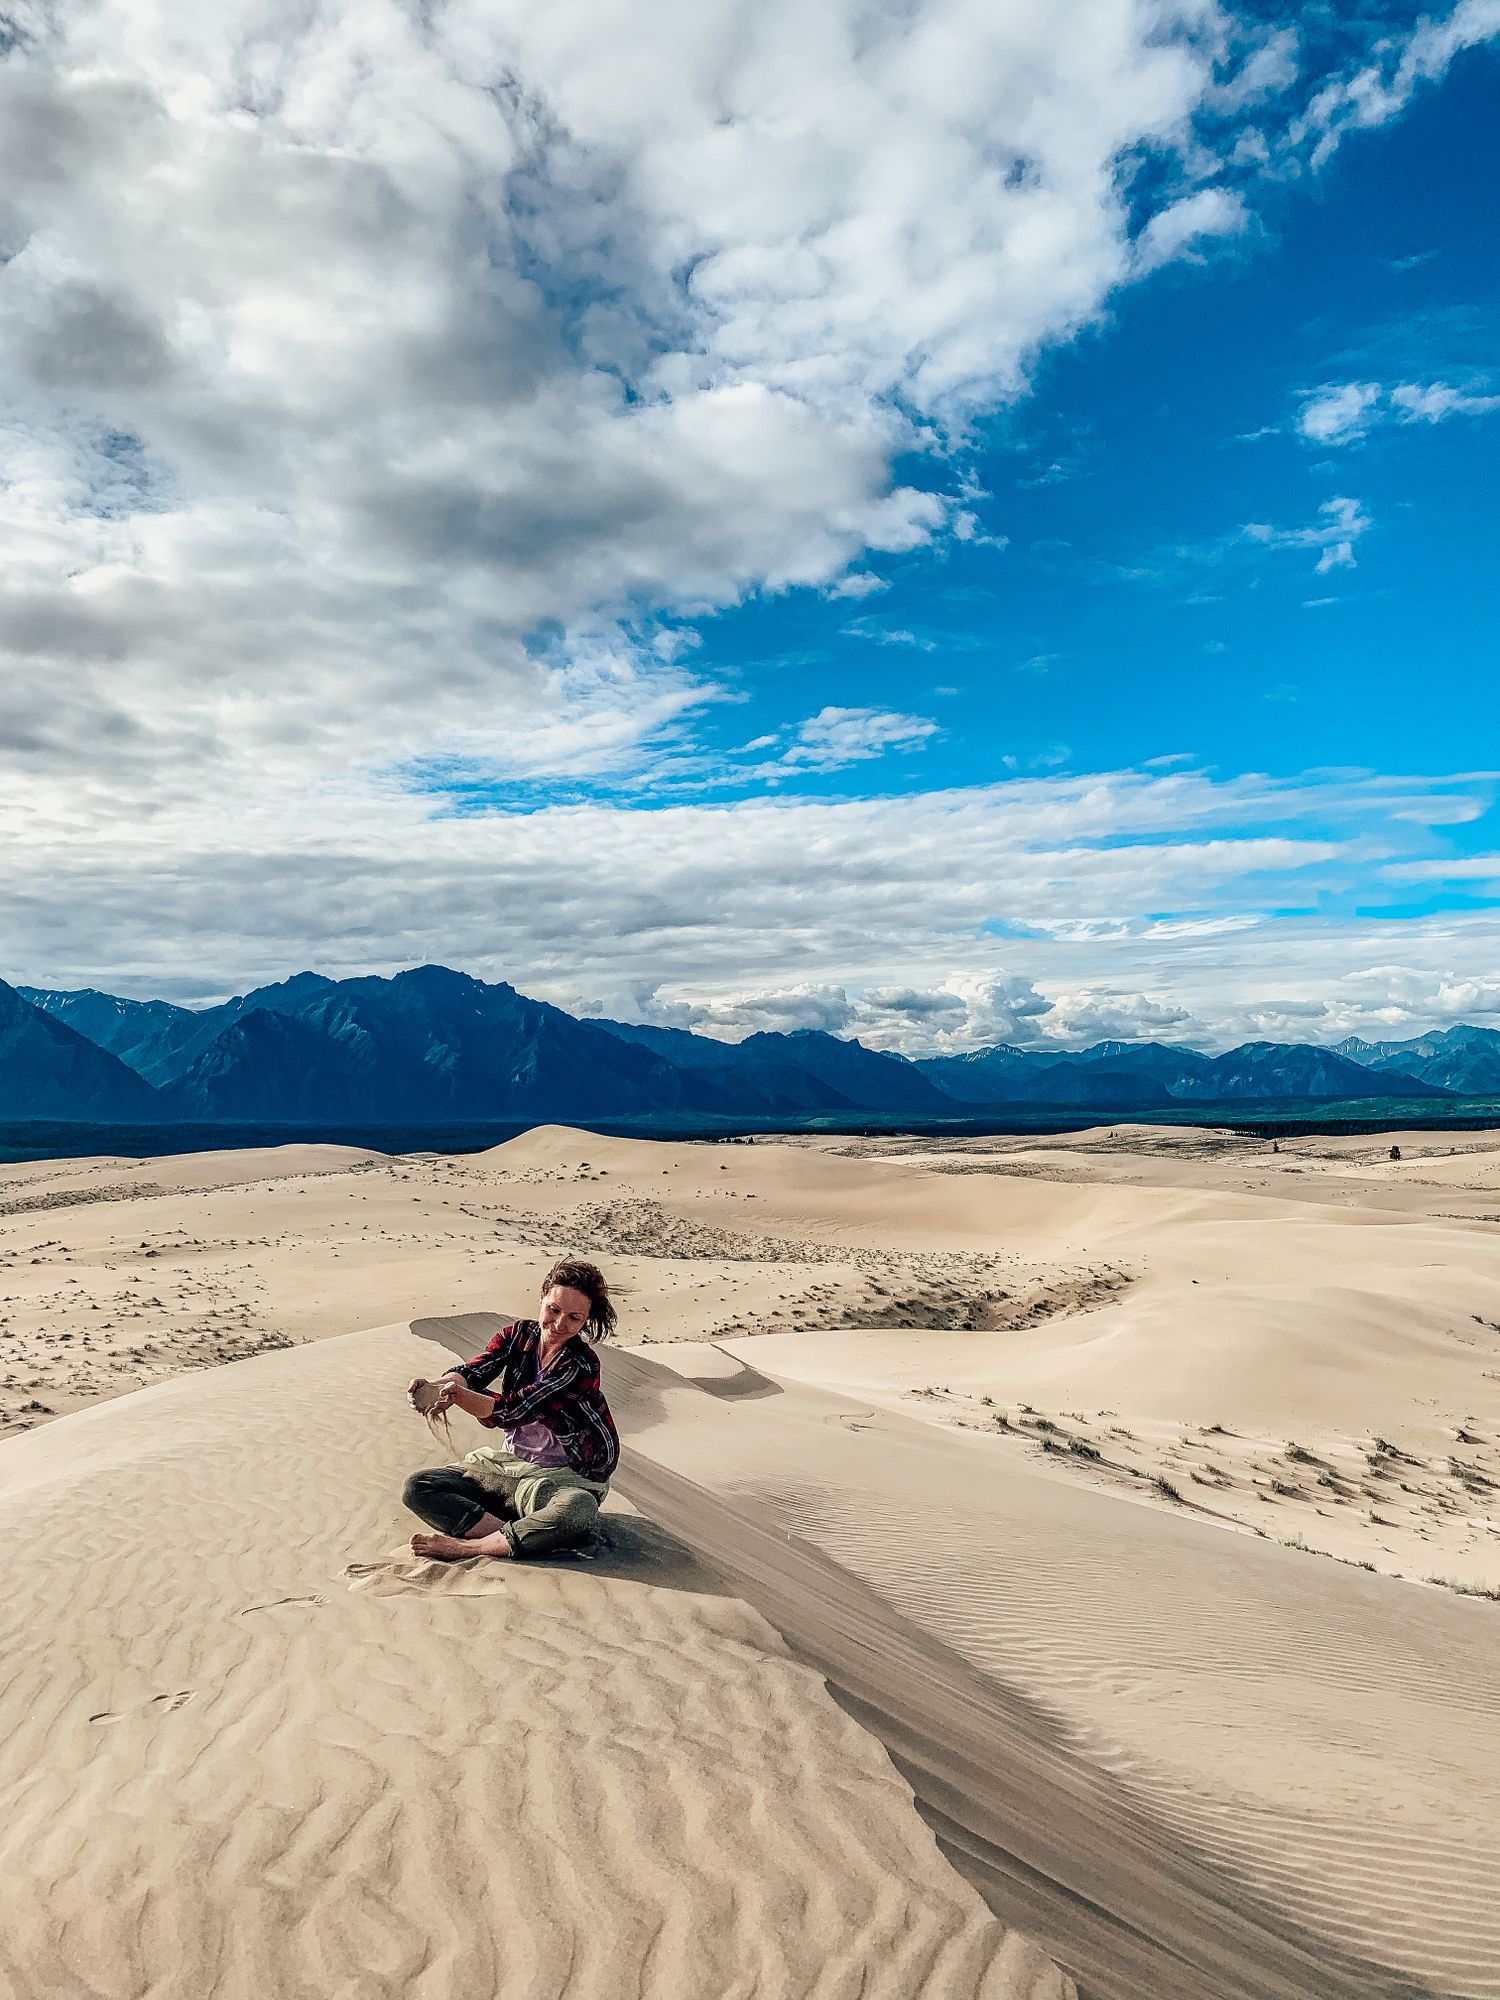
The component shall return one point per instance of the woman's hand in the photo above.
(431, 1399)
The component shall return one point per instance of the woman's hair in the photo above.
(588, 1279)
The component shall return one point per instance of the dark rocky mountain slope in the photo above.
(436, 1046)
(49, 1070)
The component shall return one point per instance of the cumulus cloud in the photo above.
(352, 348)
(858, 583)
(1198, 218)
(838, 736)
(1087, 1014)
(1395, 999)
(1460, 999)
(967, 1011)
(423, 330)
(1344, 412)
(783, 1010)
(389, 389)
(1338, 412)
(1322, 1002)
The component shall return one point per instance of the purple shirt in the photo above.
(537, 1443)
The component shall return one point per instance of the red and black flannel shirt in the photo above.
(565, 1396)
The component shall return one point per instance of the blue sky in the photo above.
(937, 522)
(1123, 619)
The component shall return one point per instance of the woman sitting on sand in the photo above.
(538, 1381)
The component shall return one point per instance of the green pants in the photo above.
(545, 1508)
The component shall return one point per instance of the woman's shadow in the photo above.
(634, 1549)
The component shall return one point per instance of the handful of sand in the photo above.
(424, 1400)
(424, 1396)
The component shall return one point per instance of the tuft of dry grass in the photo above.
(1484, 1590)
(1300, 1455)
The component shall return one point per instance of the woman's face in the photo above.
(564, 1312)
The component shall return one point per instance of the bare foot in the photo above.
(454, 1548)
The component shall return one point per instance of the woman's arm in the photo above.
(464, 1387)
(475, 1401)
(483, 1369)
(453, 1393)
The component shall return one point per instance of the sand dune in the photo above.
(225, 1772)
(1268, 1709)
(114, 1274)
(1206, 1337)
(1040, 1462)
(1352, 1170)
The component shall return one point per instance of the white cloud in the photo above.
(1460, 999)
(838, 736)
(1342, 521)
(1381, 87)
(1450, 868)
(967, 1011)
(1393, 999)
(349, 348)
(1435, 402)
(997, 1008)
(858, 583)
(1270, 68)
(1086, 1015)
(1198, 218)
(889, 635)
(1380, 1000)
(1344, 412)
(1119, 882)
(783, 1011)
(387, 387)
(1338, 412)
(1334, 555)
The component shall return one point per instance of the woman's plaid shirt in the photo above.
(565, 1396)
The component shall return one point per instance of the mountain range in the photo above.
(433, 1046)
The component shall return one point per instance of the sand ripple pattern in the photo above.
(225, 1773)
(1328, 1741)
(1414, 1890)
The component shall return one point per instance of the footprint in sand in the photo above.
(164, 1703)
(357, 1572)
(477, 1577)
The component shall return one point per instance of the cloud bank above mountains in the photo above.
(392, 386)
(1134, 901)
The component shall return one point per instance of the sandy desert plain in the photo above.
(1037, 1567)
